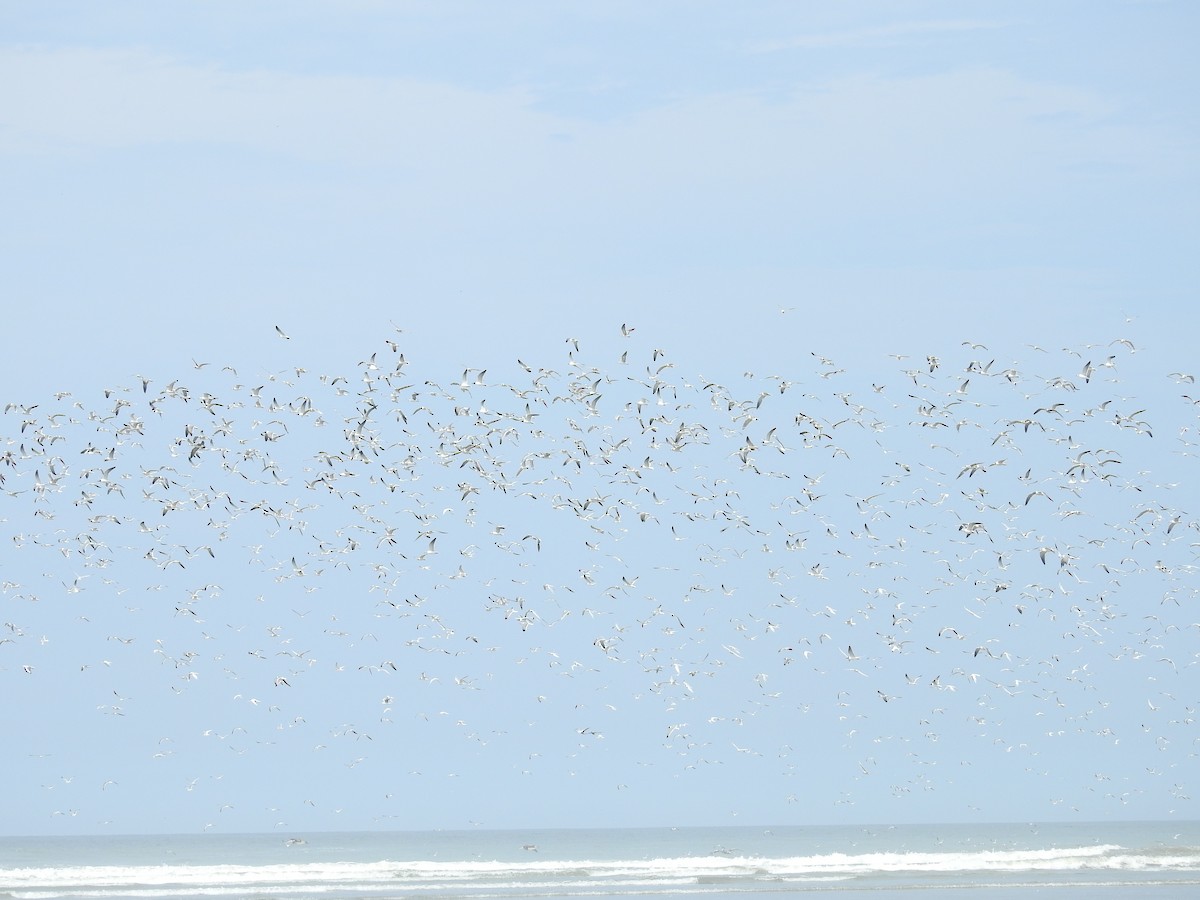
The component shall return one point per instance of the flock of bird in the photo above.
(829, 584)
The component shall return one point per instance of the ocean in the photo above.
(1077, 860)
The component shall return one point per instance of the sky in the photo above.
(443, 415)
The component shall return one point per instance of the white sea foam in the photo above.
(567, 875)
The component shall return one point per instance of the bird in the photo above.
(507, 572)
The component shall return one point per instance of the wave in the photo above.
(569, 875)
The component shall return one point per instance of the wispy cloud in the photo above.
(881, 36)
(79, 99)
(899, 141)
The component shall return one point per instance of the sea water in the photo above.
(1159, 860)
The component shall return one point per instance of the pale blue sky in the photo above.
(754, 190)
